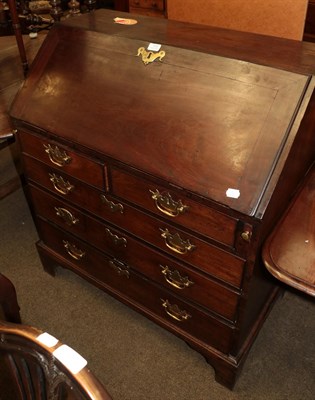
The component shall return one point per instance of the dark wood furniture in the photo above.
(153, 8)
(309, 28)
(8, 300)
(159, 182)
(289, 252)
(38, 366)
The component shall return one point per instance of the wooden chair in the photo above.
(8, 300)
(38, 366)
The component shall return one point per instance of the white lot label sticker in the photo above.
(154, 47)
(70, 358)
(233, 193)
(47, 339)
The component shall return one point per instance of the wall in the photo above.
(283, 18)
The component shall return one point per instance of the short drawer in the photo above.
(147, 4)
(63, 159)
(59, 183)
(176, 277)
(119, 279)
(174, 206)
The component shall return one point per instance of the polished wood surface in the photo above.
(128, 178)
(289, 252)
(309, 28)
(36, 372)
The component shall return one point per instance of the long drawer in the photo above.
(174, 205)
(185, 247)
(175, 276)
(113, 275)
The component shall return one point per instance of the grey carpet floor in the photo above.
(134, 358)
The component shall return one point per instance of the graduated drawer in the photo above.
(176, 277)
(119, 279)
(174, 206)
(63, 159)
(192, 250)
(172, 240)
(179, 278)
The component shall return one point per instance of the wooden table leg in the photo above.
(8, 300)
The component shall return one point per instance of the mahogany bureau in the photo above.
(159, 181)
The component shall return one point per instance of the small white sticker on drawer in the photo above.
(233, 193)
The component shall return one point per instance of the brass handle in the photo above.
(62, 186)
(118, 241)
(167, 205)
(114, 207)
(175, 279)
(73, 251)
(121, 268)
(175, 312)
(66, 215)
(176, 243)
(57, 156)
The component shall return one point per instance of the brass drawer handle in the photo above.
(176, 243)
(118, 241)
(57, 156)
(66, 215)
(175, 312)
(111, 205)
(175, 279)
(167, 205)
(120, 268)
(73, 251)
(62, 186)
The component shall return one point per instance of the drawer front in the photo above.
(58, 211)
(65, 186)
(176, 277)
(180, 279)
(111, 274)
(174, 206)
(147, 4)
(187, 248)
(63, 159)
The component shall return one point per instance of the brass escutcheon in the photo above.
(113, 207)
(167, 205)
(149, 56)
(57, 156)
(120, 268)
(118, 241)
